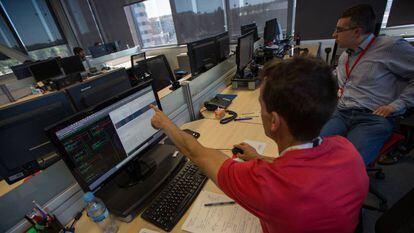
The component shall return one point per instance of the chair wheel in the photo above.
(380, 175)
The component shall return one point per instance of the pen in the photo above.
(243, 119)
(220, 203)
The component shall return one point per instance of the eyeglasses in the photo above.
(339, 30)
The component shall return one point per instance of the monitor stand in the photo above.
(127, 193)
(245, 80)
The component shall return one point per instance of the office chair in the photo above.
(400, 142)
(399, 218)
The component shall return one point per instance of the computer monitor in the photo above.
(202, 54)
(248, 28)
(137, 58)
(22, 71)
(160, 71)
(93, 91)
(72, 64)
(272, 32)
(97, 143)
(138, 73)
(244, 52)
(98, 50)
(45, 70)
(112, 47)
(223, 46)
(24, 146)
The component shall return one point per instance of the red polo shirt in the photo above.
(320, 189)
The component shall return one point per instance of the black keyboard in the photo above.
(170, 205)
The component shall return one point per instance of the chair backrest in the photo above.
(399, 218)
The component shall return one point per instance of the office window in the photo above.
(112, 21)
(34, 23)
(82, 22)
(248, 11)
(55, 51)
(152, 23)
(198, 19)
(7, 39)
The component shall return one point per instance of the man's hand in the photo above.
(159, 120)
(384, 111)
(249, 152)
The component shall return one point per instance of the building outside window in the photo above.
(153, 23)
(256, 11)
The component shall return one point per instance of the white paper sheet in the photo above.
(219, 219)
(259, 146)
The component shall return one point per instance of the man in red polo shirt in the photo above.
(316, 184)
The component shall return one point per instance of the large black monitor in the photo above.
(24, 146)
(97, 143)
(98, 50)
(99, 89)
(160, 70)
(248, 28)
(244, 52)
(22, 71)
(272, 32)
(45, 70)
(72, 64)
(202, 54)
(223, 46)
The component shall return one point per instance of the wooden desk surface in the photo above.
(222, 137)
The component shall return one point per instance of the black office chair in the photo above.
(399, 218)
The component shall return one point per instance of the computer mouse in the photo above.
(236, 150)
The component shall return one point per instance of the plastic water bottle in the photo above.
(97, 211)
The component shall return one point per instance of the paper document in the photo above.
(145, 230)
(220, 219)
(259, 146)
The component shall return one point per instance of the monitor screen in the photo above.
(202, 54)
(22, 71)
(95, 144)
(248, 28)
(98, 50)
(244, 52)
(223, 45)
(137, 58)
(99, 89)
(72, 64)
(22, 138)
(45, 70)
(161, 73)
(272, 31)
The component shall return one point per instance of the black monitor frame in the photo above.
(22, 71)
(200, 60)
(51, 132)
(157, 83)
(244, 29)
(71, 65)
(93, 91)
(137, 58)
(272, 31)
(31, 150)
(45, 70)
(223, 46)
(249, 37)
(98, 50)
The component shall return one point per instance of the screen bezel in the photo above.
(51, 132)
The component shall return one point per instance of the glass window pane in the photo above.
(153, 22)
(6, 63)
(34, 23)
(259, 11)
(55, 51)
(112, 20)
(6, 36)
(81, 19)
(198, 19)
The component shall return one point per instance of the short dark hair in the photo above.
(363, 16)
(303, 91)
(77, 50)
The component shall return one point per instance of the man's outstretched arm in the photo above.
(209, 160)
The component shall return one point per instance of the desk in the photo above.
(223, 137)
